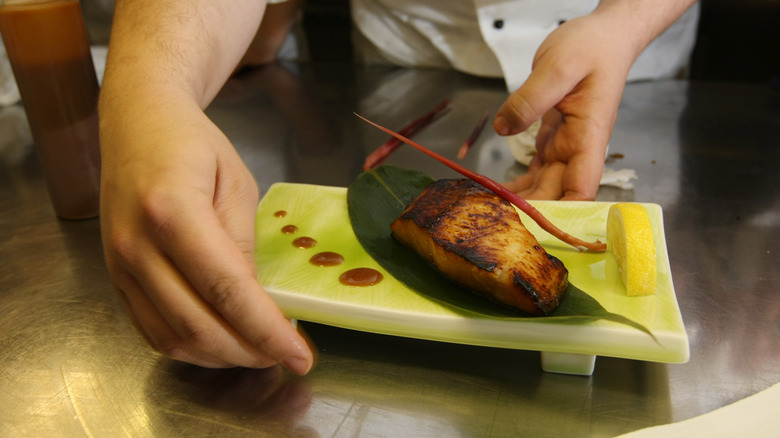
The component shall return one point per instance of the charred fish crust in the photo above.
(477, 240)
(556, 261)
(433, 203)
(545, 304)
(527, 287)
(485, 260)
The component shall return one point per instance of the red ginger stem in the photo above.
(464, 148)
(502, 191)
(382, 152)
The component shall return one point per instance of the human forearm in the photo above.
(639, 22)
(167, 60)
(177, 203)
(277, 22)
(177, 48)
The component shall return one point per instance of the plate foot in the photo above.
(568, 363)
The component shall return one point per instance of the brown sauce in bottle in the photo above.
(289, 229)
(361, 277)
(327, 258)
(304, 242)
(48, 47)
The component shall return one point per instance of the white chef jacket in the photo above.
(495, 38)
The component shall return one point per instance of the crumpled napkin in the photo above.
(523, 148)
(754, 416)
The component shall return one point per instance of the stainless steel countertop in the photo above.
(708, 153)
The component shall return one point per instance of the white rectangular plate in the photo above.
(311, 293)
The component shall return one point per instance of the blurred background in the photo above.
(738, 40)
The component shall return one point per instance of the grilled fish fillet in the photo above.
(476, 238)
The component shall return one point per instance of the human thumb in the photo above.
(529, 103)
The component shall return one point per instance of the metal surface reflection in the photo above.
(73, 365)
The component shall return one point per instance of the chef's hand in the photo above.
(178, 231)
(177, 203)
(575, 88)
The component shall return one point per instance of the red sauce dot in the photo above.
(361, 277)
(280, 213)
(304, 242)
(289, 229)
(327, 258)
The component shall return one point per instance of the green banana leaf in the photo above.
(378, 196)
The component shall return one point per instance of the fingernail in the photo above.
(298, 365)
(500, 125)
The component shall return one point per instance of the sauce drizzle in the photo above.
(289, 229)
(361, 277)
(280, 213)
(304, 242)
(327, 258)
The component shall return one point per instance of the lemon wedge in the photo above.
(630, 235)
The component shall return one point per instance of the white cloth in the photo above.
(498, 38)
(754, 417)
(434, 33)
